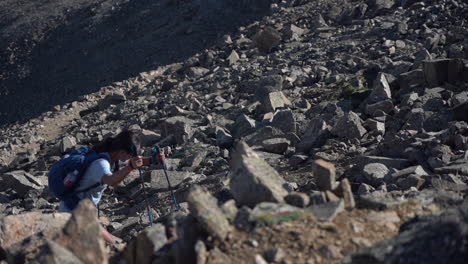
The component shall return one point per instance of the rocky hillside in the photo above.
(322, 132)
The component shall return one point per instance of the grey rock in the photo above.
(285, 121)
(412, 180)
(316, 134)
(324, 173)
(276, 145)
(258, 259)
(243, 126)
(385, 106)
(326, 212)
(223, 138)
(459, 98)
(178, 126)
(275, 255)
(396, 163)
(274, 100)
(230, 209)
(297, 199)
(374, 173)
(144, 247)
(380, 4)
(293, 32)
(365, 189)
(204, 208)
(379, 203)
(349, 126)
(196, 72)
(436, 71)
(266, 85)
(411, 81)
(417, 170)
(149, 138)
(267, 39)
(380, 89)
(344, 191)
(376, 126)
(159, 182)
(233, 57)
(19, 181)
(53, 253)
(457, 167)
(67, 144)
(253, 180)
(113, 98)
(456, 71)
(414, 244)
(297, 159)
(201, 251)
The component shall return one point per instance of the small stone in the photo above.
(229, 208)
(267, 39)
(326, 212)
(374, 173)
(380, 90)
(275, 100)
(412, 180)
(324, 173)
(252, 243)
(349, 126)
(233, 57)
(365, 189)
(258, 259)
(297, 159)
(344, 190)
(331, 197)
(275, 255)
(297, 199)
(276, 145)
(377, 126)
(67, 144)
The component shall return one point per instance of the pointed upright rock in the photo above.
(253, 180)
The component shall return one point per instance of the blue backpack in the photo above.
(75, 163)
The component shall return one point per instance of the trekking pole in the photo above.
(150, 215)
(160, 157)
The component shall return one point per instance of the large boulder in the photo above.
(425, 239)
(15, 228)
(204, 207)
(145, 246)
(80, 241)
(349, 126)
(253, 180)
(82, 235)
(178, 126)
(315, 135)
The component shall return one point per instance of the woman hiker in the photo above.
(99, 174)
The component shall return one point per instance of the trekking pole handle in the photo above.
(158, 156)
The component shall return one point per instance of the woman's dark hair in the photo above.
(125, 140)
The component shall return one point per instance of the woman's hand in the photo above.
(136, 162)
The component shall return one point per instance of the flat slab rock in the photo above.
(326, 212)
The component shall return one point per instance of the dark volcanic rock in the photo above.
(420, 240)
